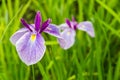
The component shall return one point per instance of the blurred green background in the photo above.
(89, 59)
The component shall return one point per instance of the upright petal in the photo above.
(68, 22)
(16, 36)
(73, 19)
(68, 38)
(45, 25)
(87, 27)
(31, 48)
(25, 24)
(37, 21)
(53, 30)
(74, 25)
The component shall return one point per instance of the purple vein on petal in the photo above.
(25, 24)
(30, 53)
(38, 20)
(68, 22)
(44, 25)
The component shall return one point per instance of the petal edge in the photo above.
(30, 52)
(17, 35)
(87, 27)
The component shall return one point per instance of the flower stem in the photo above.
(51, 43)
(33, 72)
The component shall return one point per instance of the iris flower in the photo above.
(29, 42)
(68, 32)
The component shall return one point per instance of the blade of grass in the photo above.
(10, 8)
(109, 9)
(108, 27)
(7, 27)
(42, 70)
(117, 70)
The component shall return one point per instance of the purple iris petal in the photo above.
(37, 21)
(87, 26)
(62, 42)
(63, 26)
(29, 43)
(25, 24)
(16, 36)
(45, 24)
(73, 19)
(74, 25)
(30, 50)
(53, 30)
(68, 38)
(68, 22)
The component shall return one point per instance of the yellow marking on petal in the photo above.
(68, 33)
(33, 37)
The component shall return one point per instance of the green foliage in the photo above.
(89, 59)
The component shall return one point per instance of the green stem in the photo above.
(33, 72)
(51, 42)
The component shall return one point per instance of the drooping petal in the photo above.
(62, 42)
(38, 20)
(53, 30)
(45, 25)
(68, 38)
(31, 48)
(87, 27)
(63, 26)
(25, 24)
(16, 36)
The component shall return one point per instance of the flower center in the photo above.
(33, 37)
